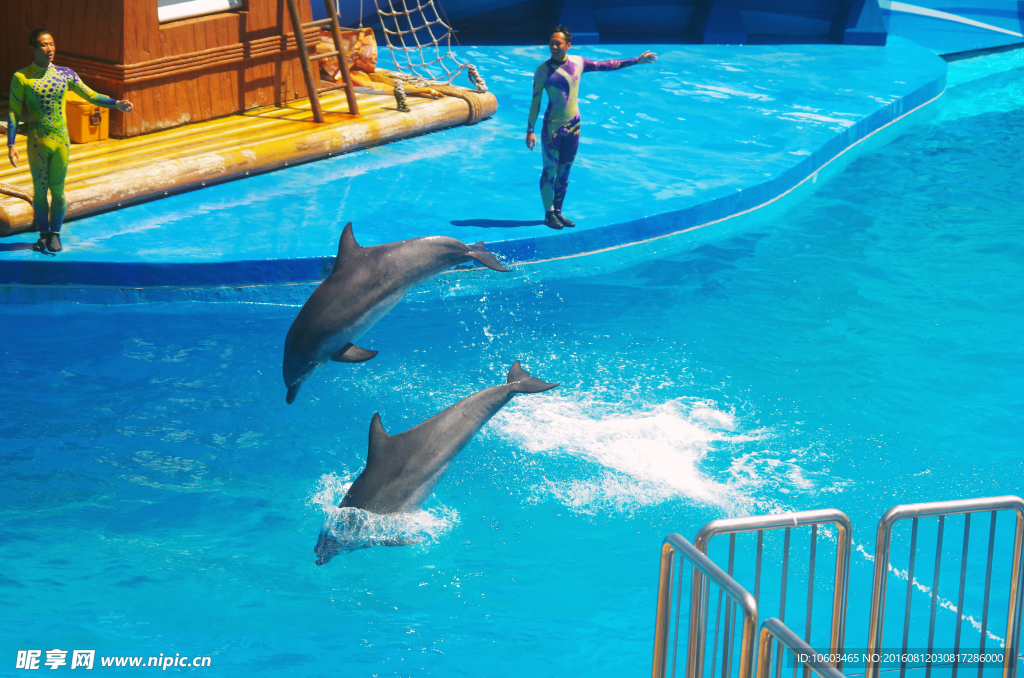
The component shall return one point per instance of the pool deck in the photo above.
(707, 137)
(114, 173)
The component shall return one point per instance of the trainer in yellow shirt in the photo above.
(37, 96)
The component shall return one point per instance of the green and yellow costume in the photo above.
(37, 95)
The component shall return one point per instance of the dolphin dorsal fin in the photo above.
(378, 439)
(346, 245)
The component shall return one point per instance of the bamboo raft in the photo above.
(108, 175)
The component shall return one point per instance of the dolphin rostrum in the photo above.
(365, 284)
(402, 470)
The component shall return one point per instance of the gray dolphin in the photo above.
(365, 284)
(402, 470)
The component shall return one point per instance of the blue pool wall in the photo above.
(852, 22)
(957, 27)
(943, 26)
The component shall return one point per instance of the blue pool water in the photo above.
(862, 351)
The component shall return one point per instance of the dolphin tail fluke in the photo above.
(477, 251)
(293, 391)
(520, 381)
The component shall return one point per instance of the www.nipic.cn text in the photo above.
(86, 659)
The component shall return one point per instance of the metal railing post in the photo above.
(705, 571)
(663, 622)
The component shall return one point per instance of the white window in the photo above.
(172, 10)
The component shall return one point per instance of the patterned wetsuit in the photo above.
(41, 92)
(560, 136)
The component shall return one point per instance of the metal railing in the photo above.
(704, 572)
(942, 510)
(787, 521)
(775, 629)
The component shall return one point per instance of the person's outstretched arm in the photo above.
(615, 64)
(538, 89)
(81, 89)
(13, 114)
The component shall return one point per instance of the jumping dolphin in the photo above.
(402, 470)
(365, 284)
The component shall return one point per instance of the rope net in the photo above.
(416, 37)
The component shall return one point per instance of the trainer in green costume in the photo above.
(37, 96)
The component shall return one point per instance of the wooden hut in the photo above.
(178, 61)
(189, 61)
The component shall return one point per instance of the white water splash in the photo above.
(353, 528)
(646, 456)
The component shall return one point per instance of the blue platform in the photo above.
(702, 136)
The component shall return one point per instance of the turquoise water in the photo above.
(862, 351)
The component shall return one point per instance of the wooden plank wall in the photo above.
(175, 73)
(96, 30)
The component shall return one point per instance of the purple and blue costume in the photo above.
(560, 136)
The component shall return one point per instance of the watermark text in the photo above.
(33, 660)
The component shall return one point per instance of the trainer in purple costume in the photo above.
(559, 76)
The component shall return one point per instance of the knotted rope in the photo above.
(400, 99)
(474, 99)
(397, 24)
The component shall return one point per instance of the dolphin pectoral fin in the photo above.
(520, 381)
(293, 391)
(351, 353)
(477, 251)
